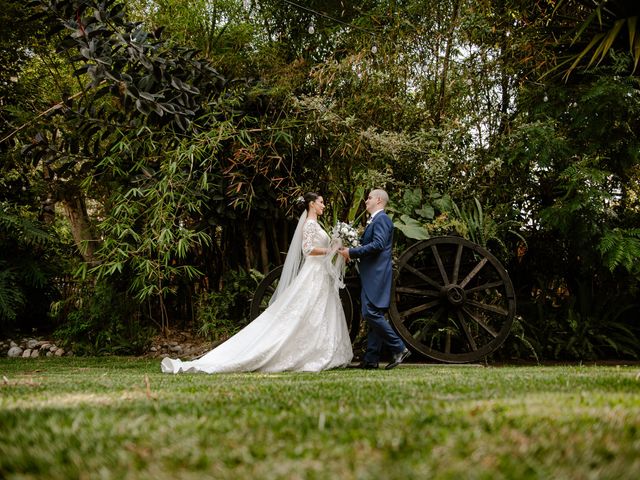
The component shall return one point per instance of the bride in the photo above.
(304, 327)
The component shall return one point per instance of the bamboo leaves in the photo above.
(150, 232)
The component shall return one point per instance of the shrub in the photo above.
(25, 268)
(103, 321)
(222, 314)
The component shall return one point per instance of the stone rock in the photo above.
(59, 352)
(45, 346)
(12, 343)
(175, 348)
(154, 349)
(14, 351)
(49, 354)
(35, 353)
(53, 348)
(32, 343)
(26, 353)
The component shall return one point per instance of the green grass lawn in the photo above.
(66, 418)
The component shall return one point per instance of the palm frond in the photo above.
(634, 41)
(611, 23)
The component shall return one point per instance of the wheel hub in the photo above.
(455, 295)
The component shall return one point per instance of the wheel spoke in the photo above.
(474, 272)
(443, 272)
(480, 322)
(456, 265)
(486, 286)
(417, 291)
(490, 308)
(421, 275)
(467, 332)
(419, 308)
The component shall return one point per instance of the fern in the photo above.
(21, 230)
(621, 248)
(586, 194)
(11, 296)
(20, 267)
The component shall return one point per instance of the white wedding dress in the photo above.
(304, 329)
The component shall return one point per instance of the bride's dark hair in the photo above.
(302, 203)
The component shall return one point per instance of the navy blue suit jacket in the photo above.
(376, 271)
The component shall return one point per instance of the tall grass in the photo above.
(67, 418)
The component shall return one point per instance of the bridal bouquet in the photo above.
(346, 234)
(342, 235)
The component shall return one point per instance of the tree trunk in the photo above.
(284, 238)
(504, 76)
(264, 251)
(75, 210)
(442, 94)
(274, 242)
(248, 252)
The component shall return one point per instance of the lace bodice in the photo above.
(313, 235)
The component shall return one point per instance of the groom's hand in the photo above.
(345, 253)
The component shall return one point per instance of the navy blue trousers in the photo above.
(380, 332)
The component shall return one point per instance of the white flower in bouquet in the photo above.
(342, 234)
(347, 234)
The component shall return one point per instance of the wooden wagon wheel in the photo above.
(452, 300)
(268, 286)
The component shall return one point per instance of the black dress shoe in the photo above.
(398, 358)
(365, 366)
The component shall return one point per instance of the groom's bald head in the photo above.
(382, 195)
(377, 200)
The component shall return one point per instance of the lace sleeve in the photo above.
(308, 234)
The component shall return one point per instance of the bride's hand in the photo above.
(345, 253)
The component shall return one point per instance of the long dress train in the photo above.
(304, 329)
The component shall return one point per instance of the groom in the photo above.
(376, 275)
